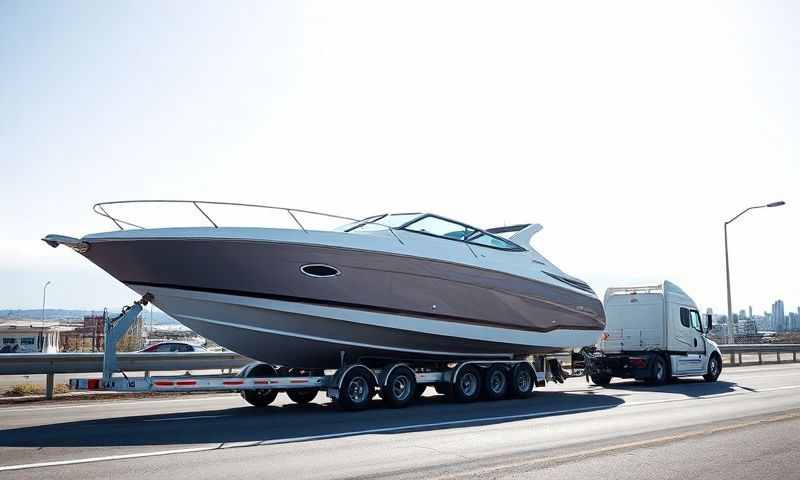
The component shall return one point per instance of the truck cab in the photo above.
(654, 333)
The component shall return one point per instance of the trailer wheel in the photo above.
(714, 368)
(660, 373)
(495, 384)
(467, 384)
(259, 398)
(301, 396)
(523, 378)
(356, 390)
(400, 387)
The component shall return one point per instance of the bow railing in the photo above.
(100, 209)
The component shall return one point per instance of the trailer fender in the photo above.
(340, 374)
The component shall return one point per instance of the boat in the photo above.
(388, 287)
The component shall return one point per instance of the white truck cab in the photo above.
(654, 333)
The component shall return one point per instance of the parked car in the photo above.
(173, 347)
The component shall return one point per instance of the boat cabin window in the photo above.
(380, 222)
(492, 241)
(441, 228)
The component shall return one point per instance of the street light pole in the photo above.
(44, 299)
(731, 339)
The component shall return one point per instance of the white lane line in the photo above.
(297, 439)
(173, 419)
(772, 389)
(108, 458)
(375, 430)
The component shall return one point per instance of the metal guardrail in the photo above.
(735, 351)
(51, 363)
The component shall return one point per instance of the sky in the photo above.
(630, 130)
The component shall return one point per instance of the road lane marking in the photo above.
(297, 439)
(773, 389)
(399, 428)
(193, 417)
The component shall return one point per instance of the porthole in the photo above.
(319, 270)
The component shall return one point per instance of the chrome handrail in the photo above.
(99, 208)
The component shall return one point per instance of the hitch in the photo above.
(115, 328)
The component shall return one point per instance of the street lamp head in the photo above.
(776, 204)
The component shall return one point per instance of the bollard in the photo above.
(48, 392)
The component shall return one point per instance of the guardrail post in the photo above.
(778, 354)
(794, 356)
(740, 359)
(733, 359)
(48, 391)
(760, 360)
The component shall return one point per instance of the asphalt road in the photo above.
(744, 426)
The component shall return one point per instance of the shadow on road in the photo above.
(686, 386)
(292, 423)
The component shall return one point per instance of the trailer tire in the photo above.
(601, 379)
(302, 396)
(714, 368)
(259, 398)
(523, 379)
(496, 382)
(400, 387)
(357, 389)
(467, 384)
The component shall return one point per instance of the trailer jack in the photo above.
(115, 328)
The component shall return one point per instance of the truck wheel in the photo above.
(495, 383)
(714, 368)
(601, 379)
(523, 378)
(356, 390)
(259, 398)
(660, 372)
(467, 384)
(400, 387)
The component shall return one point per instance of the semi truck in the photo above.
(653, 333)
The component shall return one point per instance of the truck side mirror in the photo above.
(710, 322)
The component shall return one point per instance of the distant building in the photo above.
(29, 336)
(794, 322)
(778, 316)
(750, 311)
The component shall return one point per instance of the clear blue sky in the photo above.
(630, 131)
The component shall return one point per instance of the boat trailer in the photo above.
(351, 387)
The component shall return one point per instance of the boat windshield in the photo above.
(441, 227)
(380, 222)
